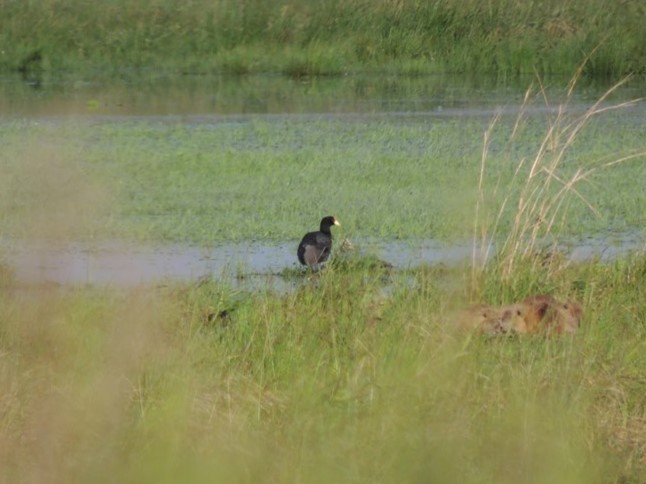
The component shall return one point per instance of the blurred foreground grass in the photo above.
(355, 376)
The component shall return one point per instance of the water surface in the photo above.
(124, 264)
(196, 96)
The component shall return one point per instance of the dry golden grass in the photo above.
(541, 206)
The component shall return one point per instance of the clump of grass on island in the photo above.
(305, 37)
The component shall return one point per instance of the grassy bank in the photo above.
(303, 37)
(356, 376)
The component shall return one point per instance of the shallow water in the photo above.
(249, 265)
(192, 98)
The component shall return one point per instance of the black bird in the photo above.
(315, 247)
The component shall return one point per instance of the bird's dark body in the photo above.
(315, 247)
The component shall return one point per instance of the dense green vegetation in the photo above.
(355, 376)
(271, 179)
(305, 37)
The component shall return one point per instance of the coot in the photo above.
(315, 247)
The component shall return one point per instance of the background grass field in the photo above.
(330, 37)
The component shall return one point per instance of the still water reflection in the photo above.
(226, 95)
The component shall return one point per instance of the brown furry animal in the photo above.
(534, 309)
(567, 317)
(515, 317)
(544, 313)
(489, 320)
(475, 316)
(541, 313)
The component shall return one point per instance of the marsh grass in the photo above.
(302, 37)
(543, 186)
(333, 381)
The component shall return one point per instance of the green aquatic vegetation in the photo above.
(258, 178)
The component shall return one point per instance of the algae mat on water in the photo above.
(269, 178)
